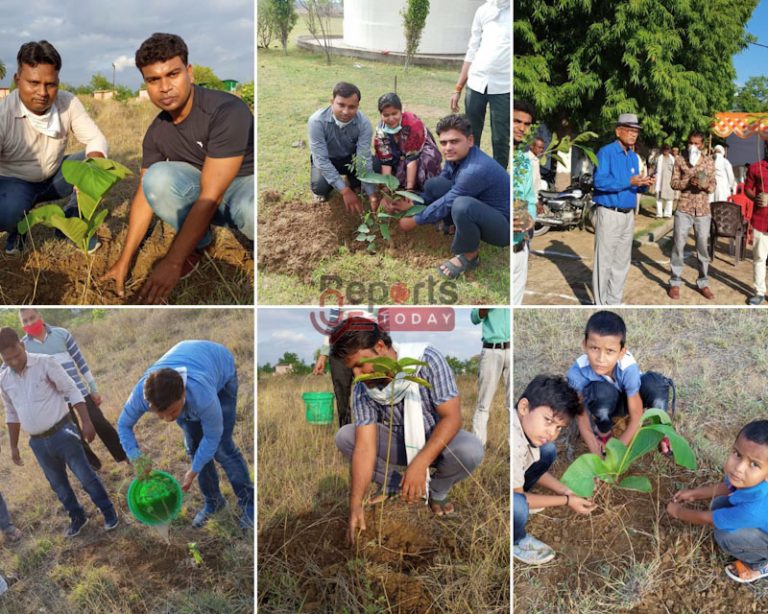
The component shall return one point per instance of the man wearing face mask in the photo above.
(41, 338)
(36, 121)
(486, 74)
(336, 134)
(694, 176)
(425, 422)
(195, 385)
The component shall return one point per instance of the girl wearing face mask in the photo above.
(404, 147)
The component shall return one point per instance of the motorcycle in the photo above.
(567, 209)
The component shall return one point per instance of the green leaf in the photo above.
(112, 166)
(97, 221)
(415, 210)
(410, 196)
(681, 451)
(411, 362)
(655, 416)
(39, 215)
(88, 178)
(384, 228)
(389, 181)
(361, 237)
(363, 228)
(614, 453)
(369, 376)
(645, 440)
(636, 482)
(382, 363)
(580, 476)
(381, 215)
(371, 248)
(418, 380)
(73, 227)
(86, 205)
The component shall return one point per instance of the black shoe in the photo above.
(111, 520)
(76, 526)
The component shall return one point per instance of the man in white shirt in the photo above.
(486, 73)
(35, 389)
(35, 122)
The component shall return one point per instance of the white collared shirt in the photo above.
(489, 50)
(37, 397)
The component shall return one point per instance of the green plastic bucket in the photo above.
(319, 407)
(155, 499)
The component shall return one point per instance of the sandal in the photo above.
(441, 504)
(743, 573)
(454, 270)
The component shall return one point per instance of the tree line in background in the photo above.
(583, 63)
(299, 367)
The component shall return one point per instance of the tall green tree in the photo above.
(583, 62)
(100, 82)
(284, 17)
(752, 97)
(414, 19)
(206, 77)
(2, 70)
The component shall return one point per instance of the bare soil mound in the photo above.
(314, 551)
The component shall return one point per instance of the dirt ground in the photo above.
(560, 270)
(629, 555)
(390, 575)
(56, 272)
(317, 231)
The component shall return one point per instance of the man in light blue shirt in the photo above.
(195, 384)
(617, 183)
(494, 363)
(336, 134)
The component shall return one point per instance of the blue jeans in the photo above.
(748, 545)
(17, 196)
(474, 220)
(228, 455)
(64, 449)
(171, 188)
(548, 454)
(5, 518)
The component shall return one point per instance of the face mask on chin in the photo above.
(395, 130)
(340, 123)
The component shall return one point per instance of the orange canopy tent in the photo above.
(742, 125)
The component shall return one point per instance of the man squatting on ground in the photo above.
(738, 506)
(336, 133)
(471, 193)
(426, 425)
(42, 338)
(547, 405)
(196, 168)
(36, 121)
(195, 384)
(35, 390)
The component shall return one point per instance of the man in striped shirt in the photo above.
(448, 449)
(42, 338)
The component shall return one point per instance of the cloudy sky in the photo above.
(283, 330)
(91, 35)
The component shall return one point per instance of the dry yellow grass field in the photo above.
(131, 569)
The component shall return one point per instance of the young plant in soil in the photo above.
(93, 178)
(376, 224)
(580, 476)
(385, 368)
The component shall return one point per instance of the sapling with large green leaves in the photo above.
(389, 369)
(376, 223)
(93, 178)
(580, 476)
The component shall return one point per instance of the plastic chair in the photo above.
(728, 222)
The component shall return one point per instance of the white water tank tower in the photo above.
(377, 26)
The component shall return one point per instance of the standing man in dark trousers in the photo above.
(42, 338)
(617, 183)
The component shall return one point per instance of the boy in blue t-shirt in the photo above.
(739, 508)
(610, 384)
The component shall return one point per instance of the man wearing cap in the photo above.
(694, 176)
(617, 183)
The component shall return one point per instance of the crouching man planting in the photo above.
(425, 424)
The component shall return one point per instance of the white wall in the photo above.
(377, 26)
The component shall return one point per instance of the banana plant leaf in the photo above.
(580, 476)
(39, 215)
(89, 178)
(636, 482)
(73, 227)
(86, 205)
(615, 450)
(646, 439)
(681, 451)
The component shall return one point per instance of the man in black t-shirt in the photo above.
(196, 170)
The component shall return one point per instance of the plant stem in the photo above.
(386, 462)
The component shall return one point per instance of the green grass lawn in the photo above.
(290, 88)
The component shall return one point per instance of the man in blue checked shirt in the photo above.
(617, 183)
(425, 424)
(195, 384)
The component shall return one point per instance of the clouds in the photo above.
(91, 35)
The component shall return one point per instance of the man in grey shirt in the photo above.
(336, 133)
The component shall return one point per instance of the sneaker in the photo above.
(93, 244)
(111, 520)
(13, 535)
(15, 243)
(76, 526)
(317, 198)
(753, 300)
(532, 551)
(205, 514)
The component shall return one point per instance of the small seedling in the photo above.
(93, 178)
(580, 476)
(142, 466)
(194, 552)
